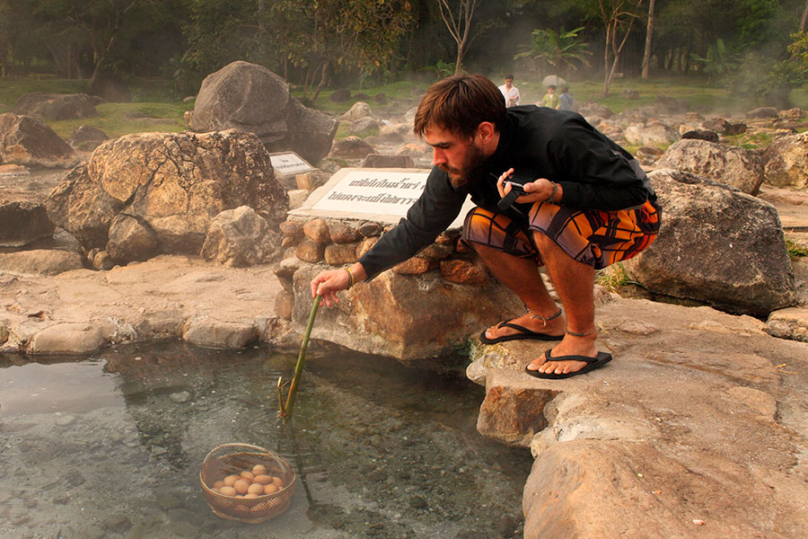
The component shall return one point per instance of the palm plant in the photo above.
(562, 49)
(719, 60)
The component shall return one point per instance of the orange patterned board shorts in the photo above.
(597, 238)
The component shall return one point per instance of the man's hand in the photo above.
(539, 189)
(327, 283)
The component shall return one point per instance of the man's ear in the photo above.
(486, 132)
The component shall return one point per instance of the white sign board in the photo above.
(373, 194)
(289, 163)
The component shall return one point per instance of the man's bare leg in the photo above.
(574, 282)
(522, 276)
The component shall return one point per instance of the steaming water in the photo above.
(112, 447)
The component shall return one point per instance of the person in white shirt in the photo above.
(510, 92)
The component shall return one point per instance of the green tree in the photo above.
(106, 25)
(216, 33)
(563, 49)
(358, 36)
(459, 25)
(18, 39)
(618, 17)
(308, 40)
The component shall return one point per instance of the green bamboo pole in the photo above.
(286, 411)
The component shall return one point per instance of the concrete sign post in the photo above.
(370, 194)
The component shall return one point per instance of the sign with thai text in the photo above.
(374, 194)
(288, 163)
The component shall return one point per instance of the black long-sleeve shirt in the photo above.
(594, 172)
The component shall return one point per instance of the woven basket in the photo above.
(231, 459)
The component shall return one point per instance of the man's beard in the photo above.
(471, 170)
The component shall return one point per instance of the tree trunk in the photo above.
(804, 19)
(685, 60)
(646, 61)
(460, 27)
(322, 81)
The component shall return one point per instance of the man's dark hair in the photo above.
(508, 76)
(460, 104)
(551, 87)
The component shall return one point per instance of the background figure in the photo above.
(510, 92)
(565, 99)
(550, 99)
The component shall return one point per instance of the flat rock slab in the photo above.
(696, 429)
(167, 297)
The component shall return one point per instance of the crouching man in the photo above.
(583, 204)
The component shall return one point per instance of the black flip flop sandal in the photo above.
(592, 363)
(524, 334)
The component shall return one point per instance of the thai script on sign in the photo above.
(377, 194)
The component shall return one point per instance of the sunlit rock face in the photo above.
(173, 184)
(786, 162)
(716, 245)
(27, 141)
(240, 237)
(650, 133)
(252, 99)
(413, 318)
(730, 165)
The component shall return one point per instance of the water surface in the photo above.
(112, 446)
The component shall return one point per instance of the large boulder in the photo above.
(252, 99)
(40, 262)
(359, 110)
(240, 237)
(175, 183)
(723, 126)
(22, 222)
(28, 141)
(412, 318)
(717, 246)
(651, 133)
(110, 87)
(351, 147)
(785, 162)
(56, 106)
(592, 109)
(87, 138)
(130, 239)
(733, 166)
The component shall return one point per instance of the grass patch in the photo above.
(751, 141)
(116, 119)
(12, 88)
(614, 277)
(154, 106)
(795, 250)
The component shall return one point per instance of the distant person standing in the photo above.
(510, 92)
(550, 99)
(566, 98)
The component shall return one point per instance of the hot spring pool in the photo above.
(112, 446)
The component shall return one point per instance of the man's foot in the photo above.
(526, 327)
(571, 345)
